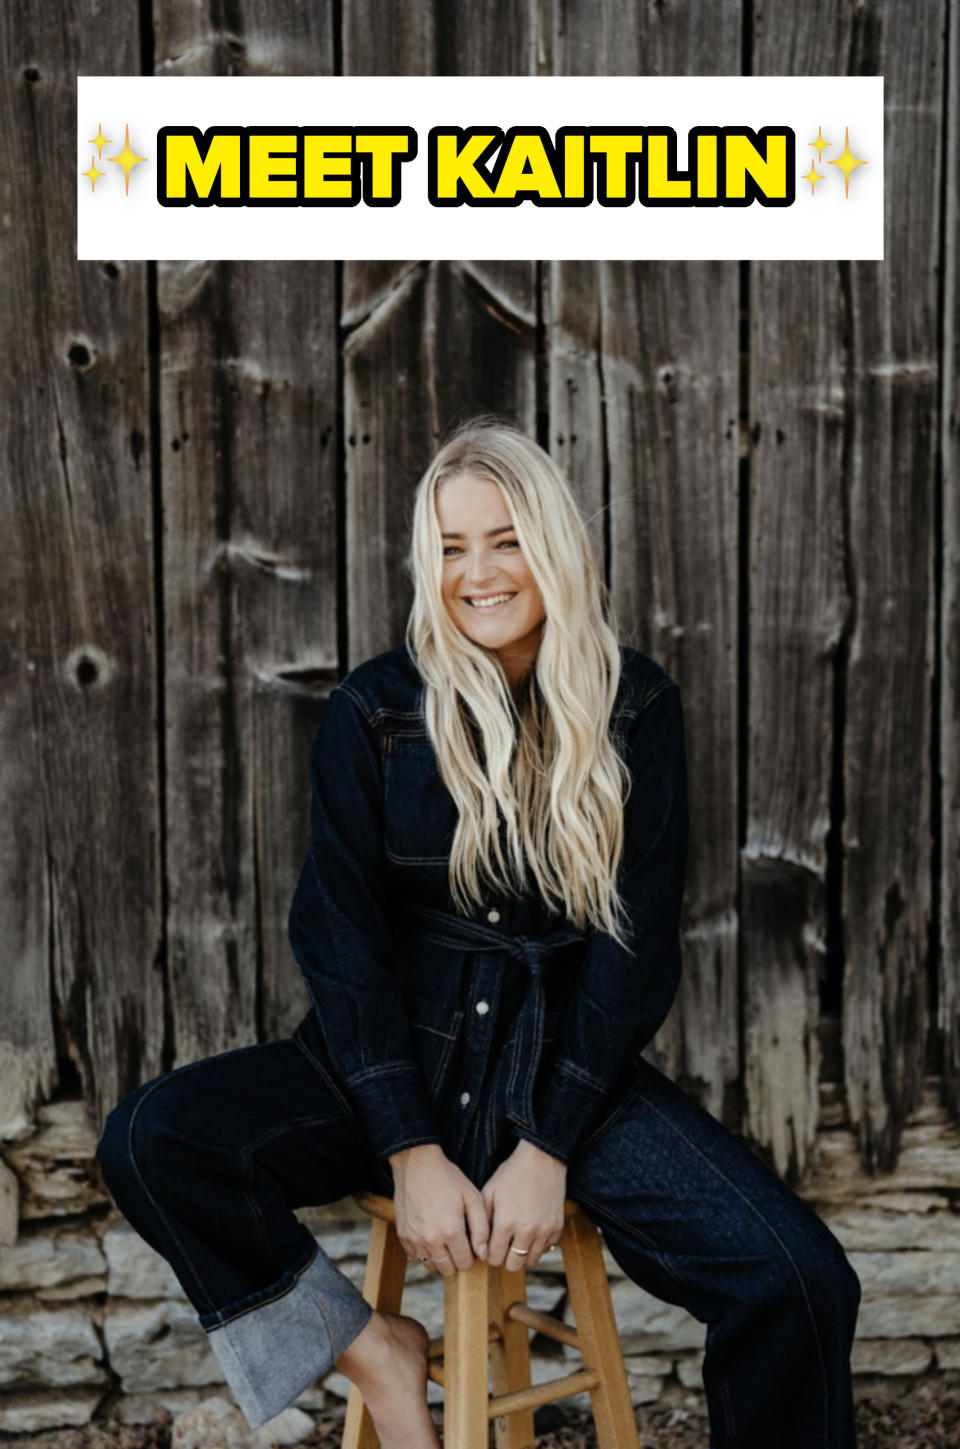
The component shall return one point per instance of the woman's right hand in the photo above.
(435, 1204)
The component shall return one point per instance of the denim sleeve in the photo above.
(341, 938)
(620, 1001)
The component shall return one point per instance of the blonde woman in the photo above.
(487, 923)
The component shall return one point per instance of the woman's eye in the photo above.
(452, 548)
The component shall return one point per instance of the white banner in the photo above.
(485, 167)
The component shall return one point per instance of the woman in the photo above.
(487, 923)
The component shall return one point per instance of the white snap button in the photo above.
(464, 1098)
(493, 917)
(483, 1007)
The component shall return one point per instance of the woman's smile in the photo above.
(488, 601)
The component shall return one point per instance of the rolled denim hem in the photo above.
(271, 1353)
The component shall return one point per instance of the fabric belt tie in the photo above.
(444, 928)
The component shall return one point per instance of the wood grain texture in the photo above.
(799, 610)
(249, 422)
(245, 37)
(891, 320)
(602, 37)
(800, 615)
(248, 416)
(948, 955)
(433, 38)
(80, 989)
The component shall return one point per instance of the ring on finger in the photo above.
(522, 1251)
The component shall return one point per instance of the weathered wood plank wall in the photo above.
(892, 385)
(81, 984)
(210, 469)
(946, 934)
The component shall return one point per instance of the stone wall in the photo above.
(94, 1322)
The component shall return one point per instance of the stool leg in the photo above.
(383, 1289)
(466, 1393)
(589, 1293)
(510, 1358)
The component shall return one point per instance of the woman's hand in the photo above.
(524, 1198)
(432, 1199)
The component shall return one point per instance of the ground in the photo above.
(922, 1413)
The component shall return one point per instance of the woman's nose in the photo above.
(479, 567)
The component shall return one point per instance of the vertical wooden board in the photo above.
(442, 345)
(80, 992)
(603, 37)
(434, 38)
(891, 320)
(367, 285)
(948, 1005)
(573, 312)
(670, 377)
(798, 613)
(281, 37)
(249, 417)
(248, 413)
(643, 398)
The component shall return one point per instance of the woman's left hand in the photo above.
(524, 1198)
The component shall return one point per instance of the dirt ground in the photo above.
(922, 1413)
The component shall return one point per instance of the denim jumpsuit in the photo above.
(429, 1025)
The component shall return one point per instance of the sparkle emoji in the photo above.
(813, 176)
(127, 159)
(821, 146)
(846, 161)
(99, 140)
(93, 173)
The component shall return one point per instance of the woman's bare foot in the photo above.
(388, 1363)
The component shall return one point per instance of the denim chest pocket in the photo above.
(420, 816)
(434, 1027)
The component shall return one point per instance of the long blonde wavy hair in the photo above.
(546, 759)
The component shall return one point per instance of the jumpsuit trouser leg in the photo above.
(692, 1214)
(207, 1163)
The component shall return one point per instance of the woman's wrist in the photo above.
(400, 1159)
(526, 1148)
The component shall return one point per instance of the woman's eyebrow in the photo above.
(505, 528)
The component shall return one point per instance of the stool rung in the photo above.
(544, 1323)
(435, 1351)
(545, 1393)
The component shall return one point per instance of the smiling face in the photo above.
(488, 588)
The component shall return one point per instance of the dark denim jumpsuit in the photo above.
(427, 1025)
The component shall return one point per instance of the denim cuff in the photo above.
(393, 1109)
(565, 1107)
(275, 1350)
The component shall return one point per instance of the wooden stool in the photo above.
(485, 1312)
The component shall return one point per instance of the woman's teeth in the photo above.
(490, 603)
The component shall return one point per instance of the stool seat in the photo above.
(485, 1340)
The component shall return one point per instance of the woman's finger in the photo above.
(500, 1238)
(478, 1222)
(442, 1260)
(537, 1249)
